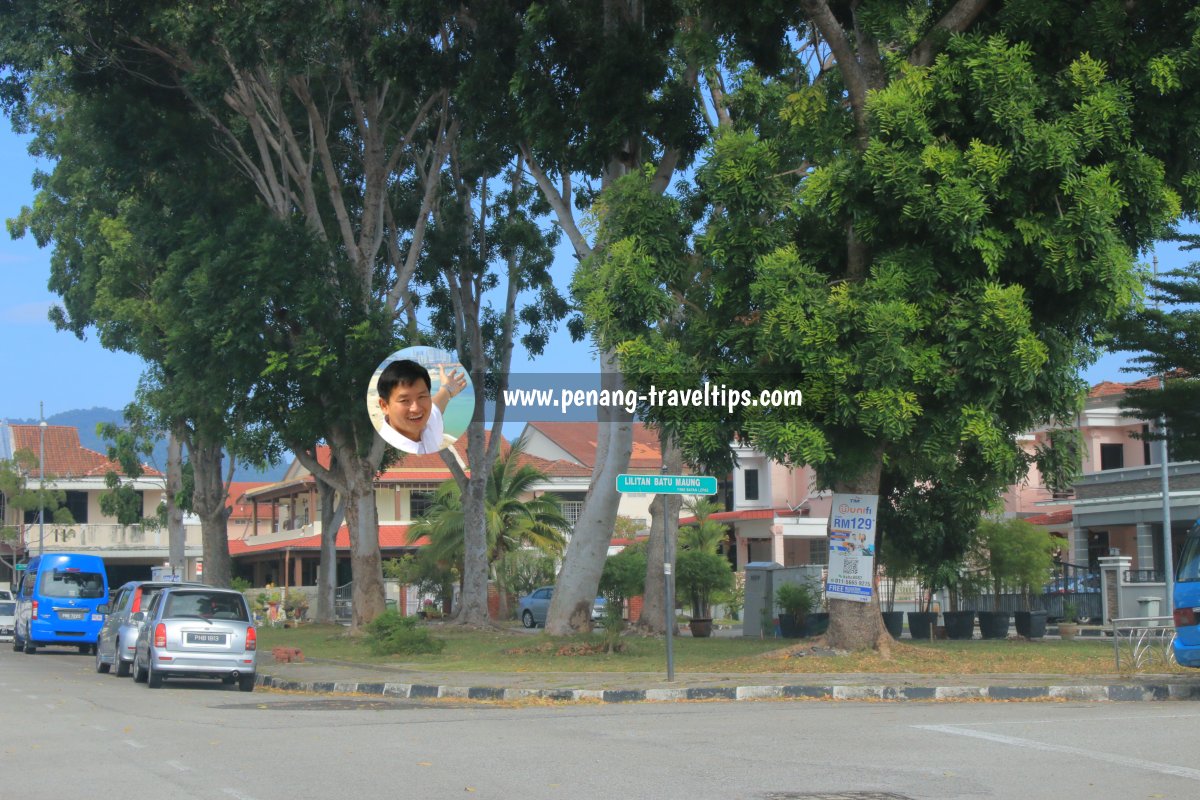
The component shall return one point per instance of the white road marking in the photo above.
(1029, 744)
(137, 745)
(178, 766)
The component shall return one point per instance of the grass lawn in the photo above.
(513, 651)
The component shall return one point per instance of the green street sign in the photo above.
(667, 484)
(19, 567)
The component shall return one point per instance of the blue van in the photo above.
(1187, 601)
(58, 602)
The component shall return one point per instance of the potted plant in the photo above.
(1014, 553)
(296, 604)
(697, 575)
(895, 565)
(1067, 626)
(795, 601)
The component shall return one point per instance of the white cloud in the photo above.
(27, 313)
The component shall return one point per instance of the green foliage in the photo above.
(519, 572)
(25, 495)
(797, 599)
(704, 534)
(512, 519)
(425, 572)
(624, 576)
(1014, 554)
(391, 634)
(698, 575)
(1163, 336)
(239, 584)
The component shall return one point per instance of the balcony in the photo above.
(131, 539)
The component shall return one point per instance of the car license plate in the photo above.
(72, 614)
(97, 618)
(206, 638)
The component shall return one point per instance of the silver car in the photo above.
(196, 632)
(118, 636)
(533, 607)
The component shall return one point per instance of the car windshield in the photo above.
(7, 609)
(1189, 559)
(206, 605)
(72, 583)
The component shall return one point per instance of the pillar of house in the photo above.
(297, 570)
(743, 552)
(1145, 547)
(1079, 546)
(1112, 578)
(777, 544)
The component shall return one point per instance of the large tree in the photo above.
(1165, 337)
(337, 117)
(921, 214)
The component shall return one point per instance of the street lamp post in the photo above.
(41, 479)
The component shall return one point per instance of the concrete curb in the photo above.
(416, 691)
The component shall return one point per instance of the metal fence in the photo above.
(1071, 587)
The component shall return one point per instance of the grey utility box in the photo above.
(763, 578)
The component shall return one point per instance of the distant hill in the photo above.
(86, 420)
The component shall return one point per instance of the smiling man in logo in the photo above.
(412, 412)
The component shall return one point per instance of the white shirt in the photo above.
(431, 436)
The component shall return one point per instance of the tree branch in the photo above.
(561, 205)
(956, 20)
(852, 72)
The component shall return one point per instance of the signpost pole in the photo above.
(668, 587)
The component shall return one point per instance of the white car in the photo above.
(5, 594)
(8, 619)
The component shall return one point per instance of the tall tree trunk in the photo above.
(362, 518)
(473, 609)
(852, 625)
(575, 593)
(209, 504)
(666, 507)
(176, 534)
(333, 509)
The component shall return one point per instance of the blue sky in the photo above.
(45, 365)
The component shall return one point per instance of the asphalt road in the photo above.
(67, 732)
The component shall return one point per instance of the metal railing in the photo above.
(1144, 576)
(1143, 642)
(343, 602)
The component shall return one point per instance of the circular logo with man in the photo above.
(420, 400)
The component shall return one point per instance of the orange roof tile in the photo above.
(1052, 518)
(579, 439)
(66, 457)
(1110, 388)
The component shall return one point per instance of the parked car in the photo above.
(533, 607)
(196, 632)
(1187, 602)
(6, 594)
(8, 619)
(1073, 584)
(58, 602)
(117, 639)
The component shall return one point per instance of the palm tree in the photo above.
(705, 534)
(511, 521)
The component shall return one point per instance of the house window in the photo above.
(1146, 445)
(1112, 456)
(571, 509)
(818, 551)
(420, 502)
(750, 479)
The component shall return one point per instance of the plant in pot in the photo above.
(1014, 553)
(895, 565)
(1067, 626)
(698, 575)
(795, 601)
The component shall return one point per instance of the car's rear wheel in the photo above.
(139, 674)
(154, 678)
(122, 667)
(18, 645)
(246, 683)
(30, 648)
(101, 666)
(527, 619)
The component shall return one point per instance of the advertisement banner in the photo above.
(852, 547)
